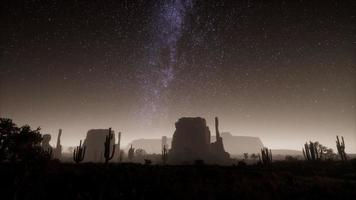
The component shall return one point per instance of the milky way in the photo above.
(158, 70)
(280, 70)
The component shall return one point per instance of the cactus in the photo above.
(259, 158)
(79, 152)
(164, 150)
(266, 155)
(107, 146)
(164, 154)
(312, 151)
(131, 153)
(341, 147)
(119, 157)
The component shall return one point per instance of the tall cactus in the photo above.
(266, 155)
(78, 153)
(131, 153)
(164, 150)
(341, 147)
(121, 155)
(107, 147)
(312, 152)
(118, 147)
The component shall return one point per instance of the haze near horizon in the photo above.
(281, 71)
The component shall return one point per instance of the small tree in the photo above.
(254, 156)
(21, 144)
(7, 130)
(290, 158)
(329, 154)
(25, 146)
(140, 153)
(245, 156)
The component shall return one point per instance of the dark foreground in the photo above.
(283, 180)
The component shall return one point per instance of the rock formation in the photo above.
(94, 143)
(58, 149)
(149, 145)
(217, 147)
(233, 144)
(238, 145)
(191, 141)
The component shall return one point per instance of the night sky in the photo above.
(284, 71)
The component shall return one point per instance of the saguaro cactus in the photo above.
(266, 156)
(164, 150)
(79, 152)
(118, 147)
(107, 147)
(131, 153)
(341, 147)
(121, 155)
(311, 151)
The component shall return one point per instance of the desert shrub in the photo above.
(291, 158)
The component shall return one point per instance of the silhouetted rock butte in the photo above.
(94, 143)
(191, 141)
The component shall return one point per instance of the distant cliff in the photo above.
(236, 145)
(233, 144)
(149, 145)
(287, 152)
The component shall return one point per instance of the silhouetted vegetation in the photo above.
(266, 156)
(107, 147)
(312, 151)
(131, 153)
(291, 158)
(291, 178)
(21, 144)
(79, 153)
(341, 148)
(119, 151)
(164, 154)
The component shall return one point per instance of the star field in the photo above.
(283, 71)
